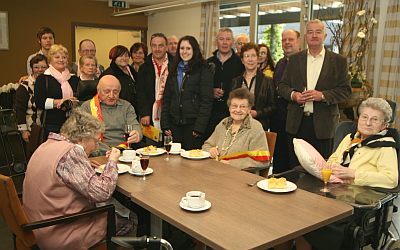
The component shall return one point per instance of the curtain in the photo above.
(389, 73)
(209, 27)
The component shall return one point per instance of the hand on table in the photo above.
(214, 152)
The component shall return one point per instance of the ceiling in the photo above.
(142, 2)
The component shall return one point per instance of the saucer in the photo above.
(121, 158)
(140, 173)
(207, 206)
(177, 152)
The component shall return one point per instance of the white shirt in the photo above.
(314, 66)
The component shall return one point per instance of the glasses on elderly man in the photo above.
(374, 120)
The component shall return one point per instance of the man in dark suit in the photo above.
(314, 82)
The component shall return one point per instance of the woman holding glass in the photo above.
(54, 89)
(188, 96)
(260, 86)
(239, 139)
(366, 157)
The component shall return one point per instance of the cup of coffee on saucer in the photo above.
(128, 154)
(175, 148)
(194, 199)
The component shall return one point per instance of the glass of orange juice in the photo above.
(326, 175)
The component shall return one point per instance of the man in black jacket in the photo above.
(225, 65)
(151, 80)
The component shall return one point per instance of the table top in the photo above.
(357, 196)
(241, 217)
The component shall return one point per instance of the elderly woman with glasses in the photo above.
(368, 156)
(60, 180)
(239, 139)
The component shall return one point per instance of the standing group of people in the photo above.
(222, 104)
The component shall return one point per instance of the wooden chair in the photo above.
(271, 140)
(14, 216)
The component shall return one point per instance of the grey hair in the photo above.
(225, 29)
(316, 21)
(80, 125)
(377, 104)
(83, 58)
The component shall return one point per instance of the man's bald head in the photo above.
(108, 89)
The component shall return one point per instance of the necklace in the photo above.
(229, 130)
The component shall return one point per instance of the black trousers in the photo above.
(307, 133)
(184, 135)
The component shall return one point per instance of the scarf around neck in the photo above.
(161, 72)
(181, 70)
(62, 78)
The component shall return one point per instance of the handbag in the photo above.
(37, 131)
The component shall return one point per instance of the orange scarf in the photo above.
(261, 155)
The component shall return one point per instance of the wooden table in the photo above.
(241, 217)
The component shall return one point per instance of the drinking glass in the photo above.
(326, 175)
(302, 105)
(128, 129)
(167, 145)
(221, 99)
(144, 163)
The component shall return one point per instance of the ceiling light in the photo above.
(315, 6)
(294, 9)
(262, 13)
(221, 17)
(337, 4)
(244, 14)
(229, 16)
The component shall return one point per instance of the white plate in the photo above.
(121, 158)
(160, 151)
(122, 168)
(140, 173)
(176, 152)
(185, 154)
(263, 184)
(207, 205)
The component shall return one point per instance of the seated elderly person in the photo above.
(60, 180)
(239, 139)
(115, 113)
(366, 157)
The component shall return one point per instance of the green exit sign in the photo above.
(119, 4)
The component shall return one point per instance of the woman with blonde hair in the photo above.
(54, 89)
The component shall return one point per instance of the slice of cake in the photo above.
(277, 183)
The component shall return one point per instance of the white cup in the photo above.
(176, 147)
(129, 154)
(194, 199)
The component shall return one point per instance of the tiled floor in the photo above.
(6, 242)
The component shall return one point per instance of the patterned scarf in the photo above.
(161, 79)
(62, 78)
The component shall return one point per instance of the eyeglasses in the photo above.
(88, 51)
(374, 120)
(241, 107)
(250, 56)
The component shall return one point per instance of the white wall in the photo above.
(178, 21)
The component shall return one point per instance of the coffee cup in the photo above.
(176, 147)
(194, 199)
(129, 154)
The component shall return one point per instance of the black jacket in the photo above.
(192, 104)
(53, 116)
(128, 86)
(264, 101)
(146, 78)
(224, 73)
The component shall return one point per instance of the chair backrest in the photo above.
(342, 129)
(13, 214)
(271, 140)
